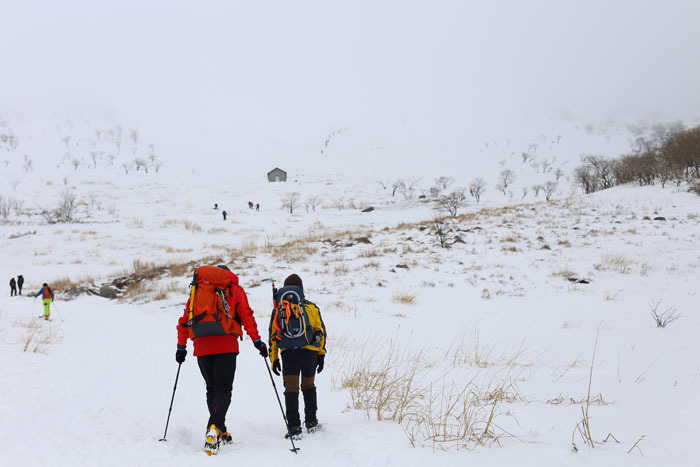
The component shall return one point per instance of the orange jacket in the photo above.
(222, 344)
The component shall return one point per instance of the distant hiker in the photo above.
(213, 316)
(250, 205)
(20, 283)
(471, 192)
(297, 330)
(13, 287)
(216, 205)
(223, 213)
(257, 207)
(47, 293)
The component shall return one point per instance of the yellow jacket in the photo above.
(316, 323)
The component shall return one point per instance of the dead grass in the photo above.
(294, 253)
(142, 267)
(163, 291)
(438, 413)
(369, 253)
(619, 263)
(38, 335)
(404, 298)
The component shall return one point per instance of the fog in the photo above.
(271, 79)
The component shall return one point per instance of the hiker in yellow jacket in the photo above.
(298, 332)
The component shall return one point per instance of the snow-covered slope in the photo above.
(506, 320)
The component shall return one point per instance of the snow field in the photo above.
(504, 309)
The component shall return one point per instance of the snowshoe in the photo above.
(211, 443)
(293, 432)
(312, 426)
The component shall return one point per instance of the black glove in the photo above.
(180, 355)
(276, 367)
(319, 363)
(260, 345)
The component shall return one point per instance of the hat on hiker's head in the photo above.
(293, 279)
(223, 266)
(44, 284)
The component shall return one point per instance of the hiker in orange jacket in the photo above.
(216, 357)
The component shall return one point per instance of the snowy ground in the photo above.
(504, 309)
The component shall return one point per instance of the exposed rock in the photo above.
(402, 266)
(109, 291)
(365, 240)
(369, 209)
(660, 218)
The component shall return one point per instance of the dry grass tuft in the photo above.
(619, 263)
(404, 298)
(441, 414)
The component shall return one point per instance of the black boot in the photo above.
(310, 408)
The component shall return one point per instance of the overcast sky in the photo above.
(279, 70)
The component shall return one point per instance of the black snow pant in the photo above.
(13, 290)
(295, 362)
(218, 371)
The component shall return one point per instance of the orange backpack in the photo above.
(48, 293)
(209, 311)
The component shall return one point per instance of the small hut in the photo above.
(277, 175)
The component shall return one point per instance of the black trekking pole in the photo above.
(171, 403)
(294, 448)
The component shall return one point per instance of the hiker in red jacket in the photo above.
(216, 354)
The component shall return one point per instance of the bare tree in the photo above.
(397, 185)
(453, 202)
(603, 170)
(66, 139)
(505, 178)
(476, 188)
(524, 192)
(312, 202)
(110, 159)
(118, 138)
(585, 178)
(65, 180)
(18, 206)
(444, 181)
(409, 189)
(14, 184)
(439, 229)
(549, 189)
(134, 135)
(537, 189)
(127, 166)
(93, 157)
(28, 166)
(157, 164)
(75, 163)
(546, 165)
(559, 173)
(291, 201)
(141, 163)
(65, 211)
(5, 206)
(383, 183)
